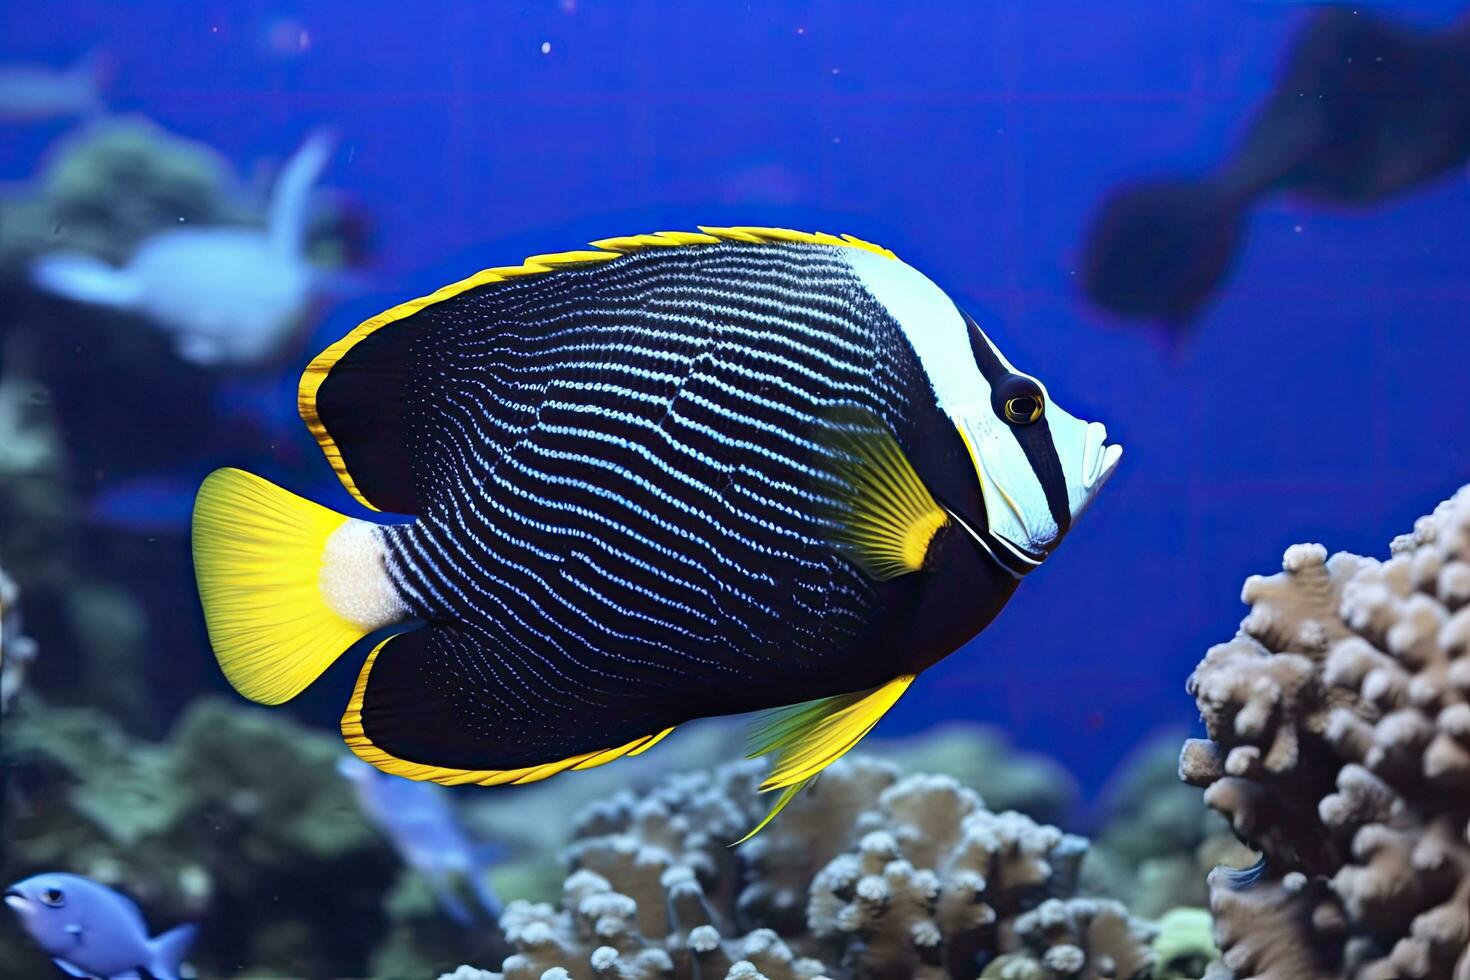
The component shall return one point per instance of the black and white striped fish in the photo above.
(676, 476)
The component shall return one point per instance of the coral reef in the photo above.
(1157, 840)
(1185, 946)
(983, 758)
(535, 820)
(17, 650)
(238, 821)
(869, 874)
(31, 494)
(1339, 746)
(111, 184)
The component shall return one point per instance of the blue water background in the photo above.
(1322, 398)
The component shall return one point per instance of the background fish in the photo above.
(425, 831)
(226, 294)
(1365, 109)
(90, 930)
(29, 93)
(682, 475)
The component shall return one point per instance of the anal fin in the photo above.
(808, 737)
(400, 721)
(886, 518)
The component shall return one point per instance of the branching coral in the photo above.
(868, 875)
(1339, 724)
(1157, 840)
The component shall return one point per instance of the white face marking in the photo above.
(1015, 502)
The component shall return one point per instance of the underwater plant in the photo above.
(1339, 747)
(870, 874)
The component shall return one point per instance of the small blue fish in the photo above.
(423, 828)
(89, 930)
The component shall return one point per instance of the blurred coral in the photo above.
(1339, 724)
(983, 758)
(239, 821)
(1157, 840)
(870, 874)
(31, 493)
(113, 183)
(16, 649)
(1185, 946)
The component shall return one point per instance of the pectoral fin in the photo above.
(810, 736)
(885, 518)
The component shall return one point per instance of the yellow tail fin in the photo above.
(258, 559)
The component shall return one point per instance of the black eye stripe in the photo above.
(1035, 439)
(989, 363)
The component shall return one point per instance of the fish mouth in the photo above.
(18, 902)
(1100, 460)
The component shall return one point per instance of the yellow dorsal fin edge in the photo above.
(809, 737)
(602, 250)
(364, 749)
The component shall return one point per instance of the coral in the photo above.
(31, 494)
(17, 650)
(1185, 945)
(239, 821)
(536, 819)
(1339, 746)
(116, 182)
(1157, 841)
(982, 758)
(868, 874)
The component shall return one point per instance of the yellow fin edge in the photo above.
(809, 737)
(363, 747)
(604, 249)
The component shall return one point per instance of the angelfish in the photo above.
(676, 475)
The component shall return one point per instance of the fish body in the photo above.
(226, 295)
(30, 93)
(90, 930)
(683, 475)
(421, 824)
(1365, 109)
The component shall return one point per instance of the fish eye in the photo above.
(1023, 409)
(1018, 400)
(53, 897)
